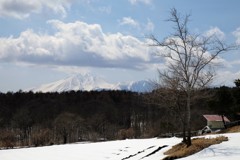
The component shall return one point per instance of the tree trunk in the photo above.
(65, 135)
(223, 120)
(184, 130)
(64, 139)
(188, 120)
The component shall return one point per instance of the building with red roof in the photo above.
(216, 121)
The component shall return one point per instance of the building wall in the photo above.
(215, 124)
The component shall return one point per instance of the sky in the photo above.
(46, 40)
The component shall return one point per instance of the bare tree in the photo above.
(189, 58)
(66, 124)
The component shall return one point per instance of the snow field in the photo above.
(135, 149)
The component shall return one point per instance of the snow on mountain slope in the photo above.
(88, 82)
(137, 86)
(76, 82)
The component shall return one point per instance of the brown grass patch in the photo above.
(234, 129)
(181, 150)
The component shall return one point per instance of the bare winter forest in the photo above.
(37, 119)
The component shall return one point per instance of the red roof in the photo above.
(215, 118)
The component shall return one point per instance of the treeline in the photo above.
(35, 119)
(28, 119)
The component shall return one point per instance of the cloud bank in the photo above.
(77, 44)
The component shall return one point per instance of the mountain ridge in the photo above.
(88, 82)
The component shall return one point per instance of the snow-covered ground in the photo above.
(229, 150)
(135, 149)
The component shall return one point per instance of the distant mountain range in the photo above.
(88, 82)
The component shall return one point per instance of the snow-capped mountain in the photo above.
(88, 82)
(135, 86)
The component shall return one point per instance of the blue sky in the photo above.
(42, 41)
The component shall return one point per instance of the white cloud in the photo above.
(150, 26)
(18, 9)
(129, 21)
(76, 44)
(225, 77)
(21, 9)
(73, 69)
(140, 1)
(237, 35)
(236, 62)
(215, 31)
(141, 28)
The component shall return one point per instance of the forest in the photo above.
(37, 119)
